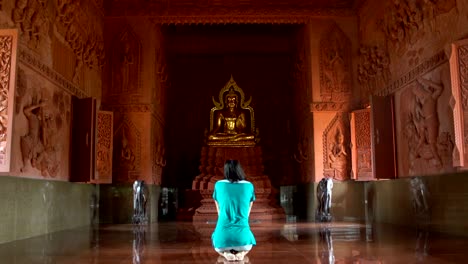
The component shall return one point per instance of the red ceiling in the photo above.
(226, 7)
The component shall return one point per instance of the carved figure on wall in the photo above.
(232, 119)
(335, 78)
(402, 22)
(126, 63)
(426, 117)
(31, 144)
(66, 11)
(139, 202)
(338, 157)
(127, 158)
(324, 197)
(30, 18)
(373, 69)
(302, 151)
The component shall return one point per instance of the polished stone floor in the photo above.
(182, 242)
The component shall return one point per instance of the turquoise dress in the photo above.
(232, 228)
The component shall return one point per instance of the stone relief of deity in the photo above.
(335, 66)
(429, 140)
(40, 145)
(126, 63)
(126, 151)
(337, 154)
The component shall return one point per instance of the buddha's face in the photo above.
(231, 101)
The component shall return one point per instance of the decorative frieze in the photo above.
(37, 65)
(329, 106)
(409, 77)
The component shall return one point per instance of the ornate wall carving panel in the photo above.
(127, 152)
(373, 69)
(361, 144)
(42, 127)
(126, 62)
(8, 56)
(336, 151)
(425, 130)
(335, 66)
(459, 77)
(104, 146)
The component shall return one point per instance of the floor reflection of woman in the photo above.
(234, 196)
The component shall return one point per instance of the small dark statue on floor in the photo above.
(324, 196)
(139, 203)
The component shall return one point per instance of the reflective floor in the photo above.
(276, 243)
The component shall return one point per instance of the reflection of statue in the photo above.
(138, 243)
(338, 158)
(427, 120)
(324, 196)
(419, 197)
(232, 120)
(139, 202)
(327, 255)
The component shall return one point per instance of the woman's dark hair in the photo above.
(233, 171)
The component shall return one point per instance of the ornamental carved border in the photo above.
(104, 146)
(426, 66)
(329, 106)
(335, 65)
(459, 78)
(8, 54)
(37, 65)
(139, 108)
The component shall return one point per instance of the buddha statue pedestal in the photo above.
(265, 208)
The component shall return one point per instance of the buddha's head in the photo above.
(231, 99)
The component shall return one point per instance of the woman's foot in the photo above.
(240, 255)
(229, 256)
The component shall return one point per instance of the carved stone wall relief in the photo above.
(32, 21)
(8, 54)
(459, 74)
(126, 63)
(127, 152)
(47, 115)
(104, 146)
(406, 21)
(335, 66)
(336, 150)
(426, 141)
(361, 144)
(373, 70)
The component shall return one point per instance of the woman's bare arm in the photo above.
(217, 207)
(250, 208)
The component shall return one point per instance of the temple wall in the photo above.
(136, 79)
(414, 46)
(59, 55)
(333, 48)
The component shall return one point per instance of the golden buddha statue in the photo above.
(231, 120)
